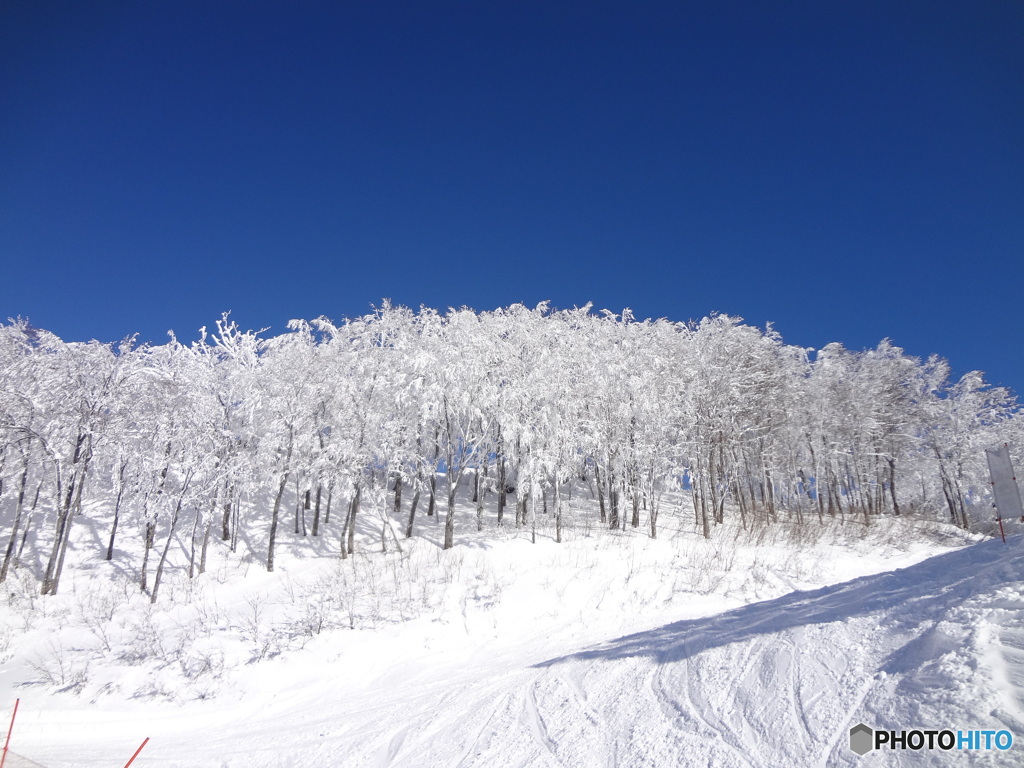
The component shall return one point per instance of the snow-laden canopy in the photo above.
(228, 431)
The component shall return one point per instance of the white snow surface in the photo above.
(610, 649)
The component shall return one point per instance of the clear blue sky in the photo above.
(848, 171)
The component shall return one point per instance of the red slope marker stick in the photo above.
(133, 756)
(3, 757)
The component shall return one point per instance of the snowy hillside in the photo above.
(609, 649)
(512, 537)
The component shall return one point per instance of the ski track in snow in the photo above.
(939, 644)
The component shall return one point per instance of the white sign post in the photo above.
(1004, 485)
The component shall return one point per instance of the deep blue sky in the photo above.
(848, 171)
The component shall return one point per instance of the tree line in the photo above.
(376, 419)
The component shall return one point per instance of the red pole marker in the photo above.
(133, 756)
(1001, 533)
(3, 757)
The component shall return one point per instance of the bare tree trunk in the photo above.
(305, 508)
(316, 510)
(398, 496)
(701, 496)
(892, 487)
(388, 527)
(150, 536)
(277, 501)
(344, 528)
(75, 511)
(480, 493)
(167, 545)
(353, 512)
(533, 518)
(273, 522)
(17, 523)
(613, 497)
(653, 513)
(946, 491)
(117, 510)
(28, 525)
(225, 531)
(432, 498)
(192, 546)
(206, 542)
(449, 521)
(695, 498)
(502, 481)
(63, 523)
(769, 495)
(704, 520)
(236, 520)
(412, 512)
(558, 511)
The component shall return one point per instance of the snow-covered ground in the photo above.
(610, 649)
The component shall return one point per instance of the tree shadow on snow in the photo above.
(907, 598)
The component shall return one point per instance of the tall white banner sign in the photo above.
(1004, 483)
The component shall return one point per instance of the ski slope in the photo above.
(634, 653)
